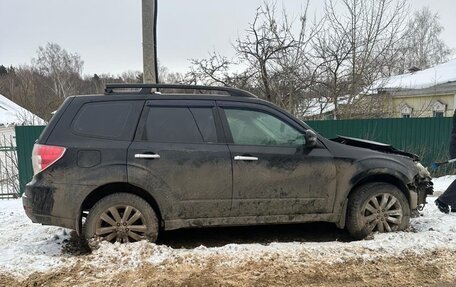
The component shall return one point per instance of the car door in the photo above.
(176, 155)
(273, 172)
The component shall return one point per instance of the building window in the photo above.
(406, 111)
(438, 109)
(437, 114)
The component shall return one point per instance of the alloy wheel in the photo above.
(383, 213)
(121, 223)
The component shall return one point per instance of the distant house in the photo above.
(11, 115)
(421, 93)
(316, 109)
(320, 108)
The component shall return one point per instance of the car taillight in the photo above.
(44, 156)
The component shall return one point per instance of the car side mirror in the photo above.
(311, 139)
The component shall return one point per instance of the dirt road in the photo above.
(433, 269)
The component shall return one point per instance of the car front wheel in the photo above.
(377, 207)
(122, 217)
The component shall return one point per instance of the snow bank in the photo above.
(26, 247)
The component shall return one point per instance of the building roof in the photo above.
(437, 76)
(13, 114)
(320, 106)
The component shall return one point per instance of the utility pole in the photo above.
(149, 21)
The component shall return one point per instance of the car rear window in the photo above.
(112, 120)
(179, 125)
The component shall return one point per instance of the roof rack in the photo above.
(147, 89)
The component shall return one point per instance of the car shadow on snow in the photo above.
(220, 236)
(264, 234)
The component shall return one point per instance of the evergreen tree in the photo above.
(3, 70)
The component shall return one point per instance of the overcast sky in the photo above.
(107, 33)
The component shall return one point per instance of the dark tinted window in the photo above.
(171, 124)
(205, 121)
(103, 119)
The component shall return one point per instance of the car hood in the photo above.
(382, 147)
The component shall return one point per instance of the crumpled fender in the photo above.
(403, 169)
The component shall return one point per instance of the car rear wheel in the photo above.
(122, 218)
(377, 207)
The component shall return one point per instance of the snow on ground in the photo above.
(26, 248)
(441, 183)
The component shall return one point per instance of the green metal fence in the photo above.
(427, 137)
(25, 139)
(9, 184)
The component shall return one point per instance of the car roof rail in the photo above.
(148, 89)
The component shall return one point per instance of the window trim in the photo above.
(179, 104)
(406, 110)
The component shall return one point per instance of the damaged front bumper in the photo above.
(422, 185)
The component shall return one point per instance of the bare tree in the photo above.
(356, 46)
(132, 77)
(325, 64)
(272, 59)
(63, 68)
(166, 76)
(25, 86)
(218, 70)
(422, 46)
(273, 51)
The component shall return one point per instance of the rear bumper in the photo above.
(53, 204)
(45, 218)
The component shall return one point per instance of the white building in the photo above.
(11, 115)
(423, 93)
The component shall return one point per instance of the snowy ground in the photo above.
(34, 255)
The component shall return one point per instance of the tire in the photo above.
(380, 207)
(122, 217)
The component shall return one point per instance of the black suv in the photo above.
(124, 165)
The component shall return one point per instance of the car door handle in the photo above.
(147, 156)
(245, 158)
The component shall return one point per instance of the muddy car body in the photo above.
(145, 161)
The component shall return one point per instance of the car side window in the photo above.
(180, 125)
(251, 127)
(104, 119)
(206, 125)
